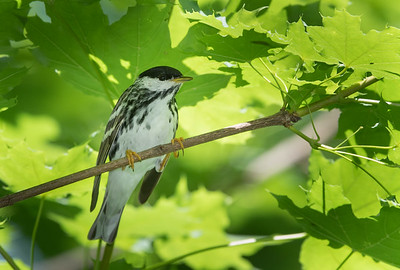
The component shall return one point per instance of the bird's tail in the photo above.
(105, 226)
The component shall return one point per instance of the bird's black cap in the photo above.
(163, 73)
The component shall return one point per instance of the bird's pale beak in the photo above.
(182, 79)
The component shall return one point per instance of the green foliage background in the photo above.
(64, 63)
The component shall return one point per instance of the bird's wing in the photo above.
(114, 124)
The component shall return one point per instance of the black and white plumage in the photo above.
(145, 115)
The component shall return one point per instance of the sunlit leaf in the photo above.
(340, 41)
(365, 201)
(315, 253)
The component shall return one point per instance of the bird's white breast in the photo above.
(158, 127)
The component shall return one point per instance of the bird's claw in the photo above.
(178, 140)
(130, 155)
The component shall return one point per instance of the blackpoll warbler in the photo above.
(146, 115)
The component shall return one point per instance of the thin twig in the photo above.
(282, 118)
(323, 103)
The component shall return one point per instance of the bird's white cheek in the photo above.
(157, 85)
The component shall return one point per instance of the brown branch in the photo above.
(282, 118)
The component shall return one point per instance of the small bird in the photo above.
(146, 115)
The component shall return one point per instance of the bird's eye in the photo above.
(162, 77)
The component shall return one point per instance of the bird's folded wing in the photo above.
(113, 125)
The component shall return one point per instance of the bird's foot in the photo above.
(178, 140)
(130, 155)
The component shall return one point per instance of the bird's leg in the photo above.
(178, 140)
(130, 155)
(164, 162)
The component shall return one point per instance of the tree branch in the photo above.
(282, 118)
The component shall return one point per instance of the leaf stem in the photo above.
(35, 229)
(105, 262)
(332, 151)
(345, 260)
(334, 76)
(348, 138)
(98, 253)
(374, 101)
(8, 259)
(366, 146)
(276, 77)
(312, 142)
(316, 145)
(266, 240)
(366, 158)
(323, 197)
(323, 103)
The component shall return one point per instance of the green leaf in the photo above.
(12, 26)
(41, 130)
(324, 197)
(11, 32)
(204, 40)
(76, 159)
(23, 167)
(189, 222)
(365, 201)
(246, 102)
(6, 103)
(376, 236)
(98, 58)
(296, 98)
(278, 5)
(10, 77)
(172, 227)
(315, 252)
(307, 51)
(65, 43)
(374, 126)
(243, 20)
(214, 6)
(340, 41)
(205, 86)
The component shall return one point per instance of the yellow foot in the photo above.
(178, 140)
(130, 155)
